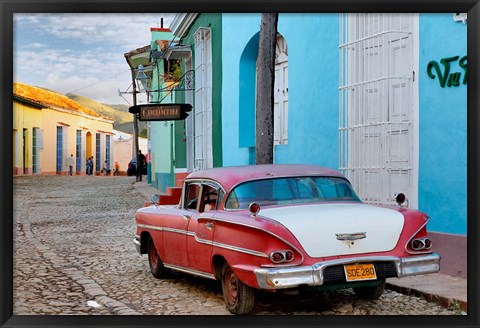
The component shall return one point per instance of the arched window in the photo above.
(280, 109)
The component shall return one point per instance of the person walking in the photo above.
(105, 170)
(140, 164)
(70, 163)
(90, 165)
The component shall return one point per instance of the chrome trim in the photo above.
(212, 183)
(264, 230)
(229, 247)
(206, 241)
(138, 244)
(351, 236)
(423, 246)
(279, 278)
(146, 226)
(234, 248)
(190, 271)
(284, 253)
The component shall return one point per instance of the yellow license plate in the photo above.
(357, 272)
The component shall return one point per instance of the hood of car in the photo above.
(340, 229)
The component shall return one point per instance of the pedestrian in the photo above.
(70, 163)
(117, 167)
(105, 169)
(90, 165)
(140, 164)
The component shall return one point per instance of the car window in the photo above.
(292, 190)
(209, 198)
(192, 196)
(202, 197)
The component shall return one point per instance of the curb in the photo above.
(446, 302)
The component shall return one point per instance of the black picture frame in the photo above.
(9, 7)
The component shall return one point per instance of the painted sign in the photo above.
(445, 77)
(161, 112)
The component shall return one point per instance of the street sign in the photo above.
(161, 112)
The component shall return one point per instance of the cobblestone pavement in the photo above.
(73, 254)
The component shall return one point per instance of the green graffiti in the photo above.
(445, 78)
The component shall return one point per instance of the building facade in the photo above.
(379, 97)
(183, 60)
(48, 127)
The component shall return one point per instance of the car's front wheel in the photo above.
(371, 292)
(239, 298)
(155, 262)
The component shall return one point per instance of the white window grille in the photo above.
(203, 100)
(280, 108)
(376, 132)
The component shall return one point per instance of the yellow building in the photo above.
(48, 127)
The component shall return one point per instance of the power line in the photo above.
(91, 85)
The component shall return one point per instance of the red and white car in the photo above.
(279, 227)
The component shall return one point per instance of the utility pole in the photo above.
(265, 83)
(135, 119)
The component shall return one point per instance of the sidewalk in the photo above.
(442, 289)
(146, 190)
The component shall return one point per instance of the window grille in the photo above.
(203, 100)
(97, 153)
(78, 151)
(35, 150)
(59, 149)
(376, 104)
(107, 150)
(280, 109)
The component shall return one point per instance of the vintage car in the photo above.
(282, 227)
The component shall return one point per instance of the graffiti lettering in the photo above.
(446, 78)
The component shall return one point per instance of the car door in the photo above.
(202, 227)
(175, 230)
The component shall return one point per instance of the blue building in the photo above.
(380, 97)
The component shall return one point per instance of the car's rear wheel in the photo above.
(239, 298)
(156, 265)
(371, 292)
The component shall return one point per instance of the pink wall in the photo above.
(453, 250)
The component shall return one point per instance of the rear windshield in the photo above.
(292, 190)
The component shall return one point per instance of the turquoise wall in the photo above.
(161, 137)
(442, 184)
(312, 41)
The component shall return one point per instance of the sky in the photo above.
(81, 53)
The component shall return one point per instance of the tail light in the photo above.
(421, 244)
(281, 256)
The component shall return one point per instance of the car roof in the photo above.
(230, 176)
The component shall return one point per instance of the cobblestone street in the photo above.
(73, 254)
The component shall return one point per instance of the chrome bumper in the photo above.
(138, 245)
(278, 278)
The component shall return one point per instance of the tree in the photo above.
(265, 82)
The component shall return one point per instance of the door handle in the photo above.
(209, 225)
(186, 217)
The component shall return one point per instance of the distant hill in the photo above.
(122, 108)
(119, 113)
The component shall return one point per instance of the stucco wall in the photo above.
(443, 136)
(24, 117)
(312, 41)
(51, 119)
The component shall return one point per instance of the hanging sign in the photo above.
(161, 112)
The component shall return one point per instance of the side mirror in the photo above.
(155, 198)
